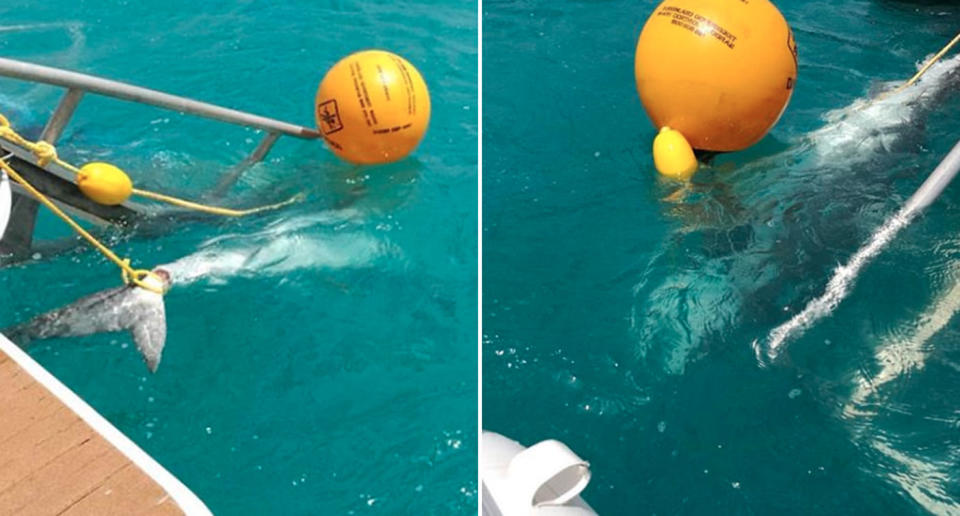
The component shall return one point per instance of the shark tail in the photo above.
(19, 335)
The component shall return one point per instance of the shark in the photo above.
(333, 239)
(740, 235)
(127, 308)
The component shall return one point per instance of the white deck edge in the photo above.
(181, 494)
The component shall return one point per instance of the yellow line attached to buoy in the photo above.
(106, 184)
(930, 63)
(130, 275)
(215, 210)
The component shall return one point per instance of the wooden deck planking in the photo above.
(53, 462)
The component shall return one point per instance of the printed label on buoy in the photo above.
(408, 86)
(367, 104)
(698, 24)
(329, 117)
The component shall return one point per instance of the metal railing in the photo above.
(78, 84)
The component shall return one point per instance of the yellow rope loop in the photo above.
(130, 275)
(139, 277)
(126, 271)
(44, 152)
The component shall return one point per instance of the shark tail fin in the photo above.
(150, 336)
(19, 335)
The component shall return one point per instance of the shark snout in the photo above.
(164, 276)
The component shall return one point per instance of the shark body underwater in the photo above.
(739, 237)
(332, 239)
(750, 247)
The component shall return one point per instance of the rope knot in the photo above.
(44, 152)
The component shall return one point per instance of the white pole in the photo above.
(843, 276)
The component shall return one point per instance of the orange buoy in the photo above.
(373, 107)
(719, 72)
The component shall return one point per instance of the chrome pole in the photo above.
(74, 80)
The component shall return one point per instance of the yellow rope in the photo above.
(227, 212)
(47, 153)
(130, 275)
(923, 69)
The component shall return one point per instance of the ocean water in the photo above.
(331, 369)
(632, 318)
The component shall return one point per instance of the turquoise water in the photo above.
(631, 320)
(335, 373)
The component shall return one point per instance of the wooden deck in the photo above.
(53, 461)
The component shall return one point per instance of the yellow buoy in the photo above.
(673, 155)
(719, 72)
(104, 183)
(373, 107)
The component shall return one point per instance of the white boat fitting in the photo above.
(6, 202)
(545, 479)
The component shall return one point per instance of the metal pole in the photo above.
(936, 183)
(231, 177)
(26, 207)
(843, 277)
(61, 117)
(44, 74)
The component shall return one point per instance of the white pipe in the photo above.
(934, 185)
(6, 202)
(843, 277)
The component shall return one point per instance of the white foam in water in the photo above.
(839, 285)
(26, 27)
(900, 354)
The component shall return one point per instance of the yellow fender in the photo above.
(673, 156)
(104, 183)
